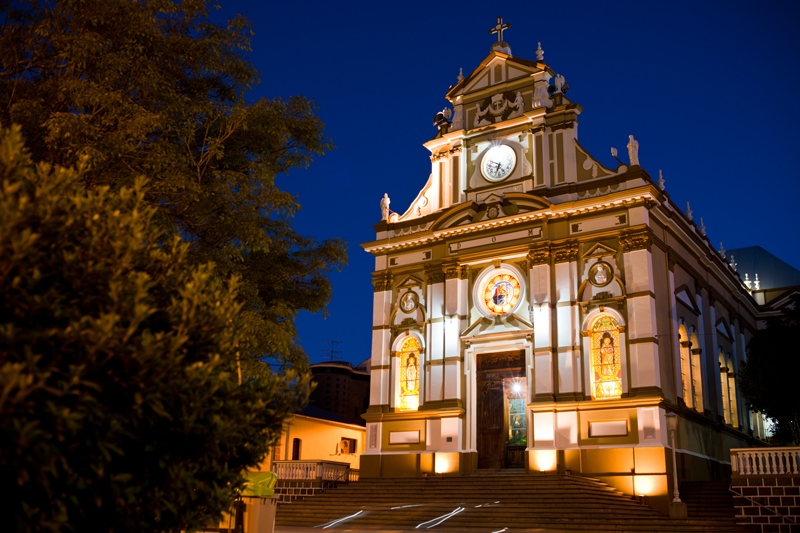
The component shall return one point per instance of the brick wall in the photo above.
(770, 503)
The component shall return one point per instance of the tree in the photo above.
(155, 88)
(767, 379)
(120, 406)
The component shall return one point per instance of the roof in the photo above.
(772, 272)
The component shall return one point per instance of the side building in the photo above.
(342, 389)
(534, 308)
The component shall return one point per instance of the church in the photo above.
(535, 309)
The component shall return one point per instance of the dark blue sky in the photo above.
(709, 89)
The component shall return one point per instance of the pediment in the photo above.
(599, 250)
(469, 212)
(684, 295)
(723, 328)
(487, 326)
(408, 282)
(496, 69)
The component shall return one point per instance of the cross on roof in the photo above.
(499, 28)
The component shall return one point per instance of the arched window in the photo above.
(606, 359)
(723, 387)
(727, 380)
(409, 374)
(686, 367)
(732, 394)
(697, 373)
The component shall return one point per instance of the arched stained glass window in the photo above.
(409, 374)
(606, 359)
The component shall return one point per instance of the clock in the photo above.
(498, 163)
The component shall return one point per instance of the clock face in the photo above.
(498, 162)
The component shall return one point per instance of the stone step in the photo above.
(526, 502)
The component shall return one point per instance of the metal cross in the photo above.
(499, 28)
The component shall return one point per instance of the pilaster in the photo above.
(642, 326)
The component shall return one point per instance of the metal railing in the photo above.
(765, 461)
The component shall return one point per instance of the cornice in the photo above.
(578, 207)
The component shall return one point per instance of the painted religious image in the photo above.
(606, 361)
(409, 375)
(600, 274)
(502, 293)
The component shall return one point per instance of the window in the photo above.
(347, 446)
(606, 360)
(295, 449)
(728, 387)
(409, 374)
(691, 375)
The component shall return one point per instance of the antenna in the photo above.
(330, 352)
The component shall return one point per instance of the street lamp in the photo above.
(677, 509)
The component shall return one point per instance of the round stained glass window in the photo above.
(501, 293)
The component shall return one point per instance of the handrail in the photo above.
(765, 461)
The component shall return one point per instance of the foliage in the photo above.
(768, 378)
(120, 408)
(155, 88)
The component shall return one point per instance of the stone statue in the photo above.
(559, 82)
(633, 150)
(385, 206)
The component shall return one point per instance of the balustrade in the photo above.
(765, 461)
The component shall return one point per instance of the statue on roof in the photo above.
(633, 150)
(385, 206)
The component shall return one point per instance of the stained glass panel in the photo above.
(606, 359)
(409, 374)
(501, 293)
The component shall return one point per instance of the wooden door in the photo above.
(491, 413)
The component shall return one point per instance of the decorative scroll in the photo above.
(434, 275)
(382, 281)
(563, 253)
(539, 255)
(639, 240)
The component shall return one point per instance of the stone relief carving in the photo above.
(518, 105)
(434, 274)
(540, 255)
(382, 282)
(541, 95)
(563, 253)
(639, 240)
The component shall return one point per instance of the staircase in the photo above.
(709, 499)
(488, 502)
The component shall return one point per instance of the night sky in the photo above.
(709, 89)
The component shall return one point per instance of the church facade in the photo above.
(534, 309)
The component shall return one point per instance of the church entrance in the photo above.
(500, 421)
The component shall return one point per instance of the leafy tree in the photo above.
(769, 376)
(120, 405)
(155, 88)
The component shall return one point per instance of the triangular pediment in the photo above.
(487, 326)
(493, 199)
(408, 282)
(496, 69)
(599, 250)
(684, 295)
(724, 329)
